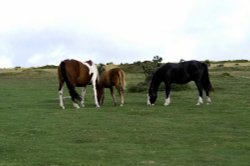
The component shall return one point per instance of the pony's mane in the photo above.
(156, 80)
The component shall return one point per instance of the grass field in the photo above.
(34, 131)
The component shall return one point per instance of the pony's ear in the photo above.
(89, 62)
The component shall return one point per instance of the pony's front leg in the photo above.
(121, 94)
(84, 90)
(167, 101)
(95, 94)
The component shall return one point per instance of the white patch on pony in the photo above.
(200, 101)
(95, 76)
(167, 101)
(148, 102)
(61, 98)
(92, 68)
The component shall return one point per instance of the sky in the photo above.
(44, 32)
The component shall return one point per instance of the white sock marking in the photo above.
(167, 101)
(76, 105)
(200, 101)
(61, 99)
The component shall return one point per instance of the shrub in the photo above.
(140, 87)
(220, 65)
(18, 67)
(143, 87)
(178, 87)
(226, 74)
(207, 62)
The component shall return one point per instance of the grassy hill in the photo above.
(35, 131)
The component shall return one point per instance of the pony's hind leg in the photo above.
(60, 93)
(209, 101)
(121, 94)
(113, 95)
(200, 89)
(84, 90)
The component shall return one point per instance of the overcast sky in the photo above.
(41, 32)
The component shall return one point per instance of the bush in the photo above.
(140, 87)
(143, 87)
(177, 87)
(207, 62)
(47, 67)
(226, 74)
(220, 65)
(18, 67)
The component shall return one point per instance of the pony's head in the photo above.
(152, 96)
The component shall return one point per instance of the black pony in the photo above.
(180, 73)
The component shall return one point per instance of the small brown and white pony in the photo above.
(77, 74)
(109, 79)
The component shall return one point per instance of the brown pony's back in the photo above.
(113, 77)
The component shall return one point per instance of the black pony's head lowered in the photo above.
(152, 96)
(180, 73)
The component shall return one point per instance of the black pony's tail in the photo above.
(74, 95)
(205, 78)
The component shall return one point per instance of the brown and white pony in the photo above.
(77, 74)
(109, 79)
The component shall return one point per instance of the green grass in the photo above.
(34, 131)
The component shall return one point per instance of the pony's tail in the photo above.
(122, 79)
(74, 95)
(205, 79)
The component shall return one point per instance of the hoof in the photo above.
(62, 107)
(198, 104)
(76, 105)
(166, 104)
